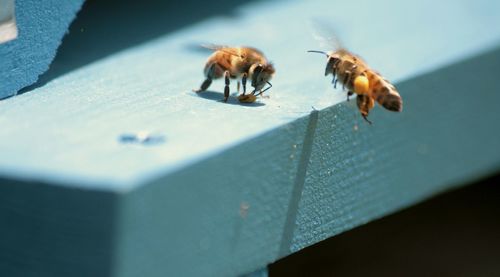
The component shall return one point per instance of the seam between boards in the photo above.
(296, 195)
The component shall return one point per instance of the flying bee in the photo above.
(357, 77)
(238, 63)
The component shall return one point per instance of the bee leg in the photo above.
(347, 79)
(349, 93)
(366, 118)
(365, 103)
(244, 82)
(226, 87)
(335, 77)
(238, 86)
(208, 81)
(204, 85)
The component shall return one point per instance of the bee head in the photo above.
(261, 74)
(331, 64)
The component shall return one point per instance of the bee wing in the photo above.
(224, 48)
(214, 47)
(324, 33)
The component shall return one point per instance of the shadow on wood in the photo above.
(219, 96)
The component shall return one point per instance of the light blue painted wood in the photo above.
(41, 26)
(47, 230)
(258, 273)
(235, 187)
(220, 217)
(149, 88)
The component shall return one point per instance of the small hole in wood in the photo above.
(142, 137)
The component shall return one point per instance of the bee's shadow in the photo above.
(219, 96)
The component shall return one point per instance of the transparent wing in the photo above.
(216, 47)
(324, 33)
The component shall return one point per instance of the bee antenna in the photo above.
(316, 51)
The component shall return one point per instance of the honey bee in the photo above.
(238, 63)
(357, 77)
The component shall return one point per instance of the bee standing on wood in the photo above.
(357, 77)
(238, 63)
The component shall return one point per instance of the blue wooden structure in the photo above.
(230, 187)
(41, 26)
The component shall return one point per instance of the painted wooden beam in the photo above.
(230, 188)
(38, 27)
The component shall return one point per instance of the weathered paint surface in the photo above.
(233, 187)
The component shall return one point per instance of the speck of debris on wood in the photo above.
(142, 137)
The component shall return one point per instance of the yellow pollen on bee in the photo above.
(247, 98)
(361, 85)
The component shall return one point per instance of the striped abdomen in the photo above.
(384, 92)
